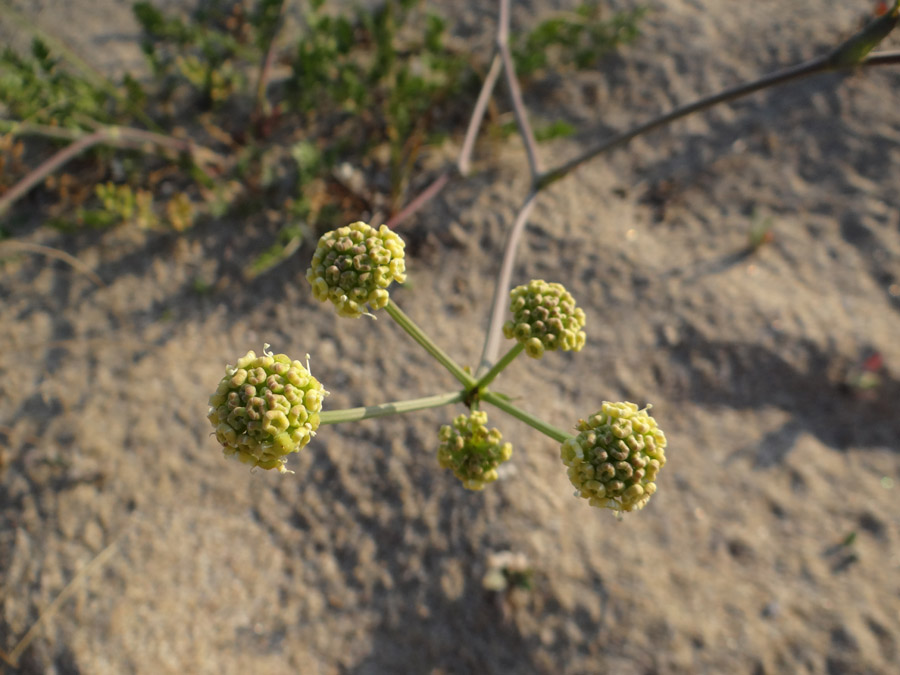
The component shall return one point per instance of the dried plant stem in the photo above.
(52, 253)
(812, 67)
(827, 63)
(515, 92)
(45, 130)
(420, 200)
(501, 289)
(262, 105)
(13, 657)
(890, 58)
(48, 166)
(123, 137)
(464, 164)
(502, 62)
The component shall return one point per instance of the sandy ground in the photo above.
(773, 544)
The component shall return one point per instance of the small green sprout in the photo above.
(265, 408)
(353, 266)
(544, 318)
(472, 451)
(507, 571)
(614, 459)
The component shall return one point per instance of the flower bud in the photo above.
(544, 318)
(353, 266)
(265, 408)
(472, 451)
(614, 460)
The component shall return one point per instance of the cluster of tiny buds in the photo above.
(545, 317)
(265, 408)
(614, 459)
(472, 451)
(353, 266)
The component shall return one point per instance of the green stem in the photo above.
(854, 50)
(489, 376)
(529, 419)
(416, 334)
(393, 408)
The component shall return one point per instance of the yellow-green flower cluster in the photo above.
(614, 459)
(472, 451)
(265, 408)
(353, 266)
(544, 318)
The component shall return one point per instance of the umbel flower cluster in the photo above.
(472, 451)
(353, 266)
(265, 408)
(545, 318)
(614, 459)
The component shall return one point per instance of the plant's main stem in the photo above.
(786, 75)
(465, 154)
(842, 58)
(416, 334)
(529, 419)
(393, 408)
(499, 304)
(827, 63)
(515, 92)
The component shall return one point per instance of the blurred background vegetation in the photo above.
(303, 133)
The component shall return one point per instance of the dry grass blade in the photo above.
(54, 253)
(13, 657)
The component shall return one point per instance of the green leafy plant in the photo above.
(372, 90)
(580, 38)
(38, 88)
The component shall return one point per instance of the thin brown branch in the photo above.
(463, 164)
(841, 58)
(420, 200)
(123, 137)
(484, 96)
(815, 66)
(53, 253)
(891, 58)
(44, 130)
(262, 106)
(501, 289)
(48, 166)
(99, 560)
(515, 92)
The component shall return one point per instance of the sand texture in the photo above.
(773, 544)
